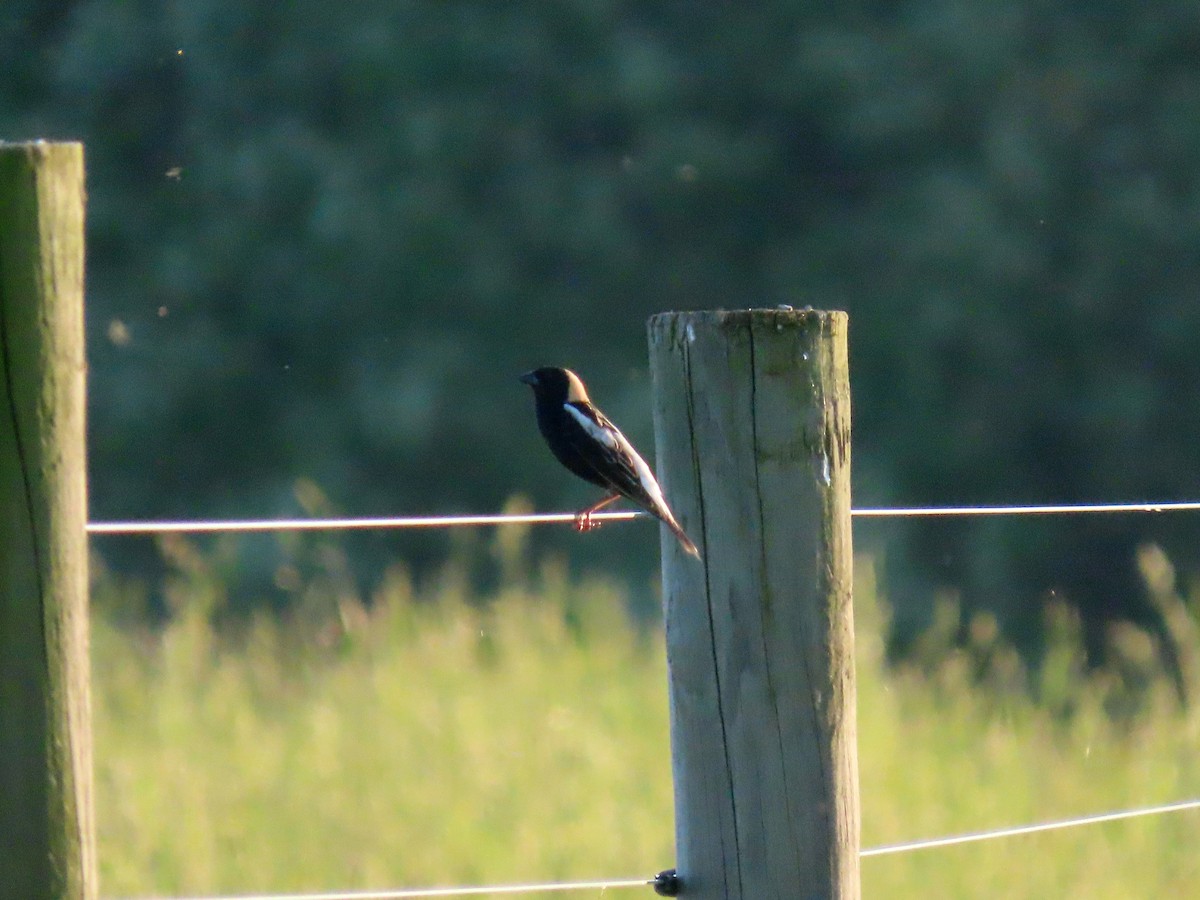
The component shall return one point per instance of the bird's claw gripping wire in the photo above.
(584, 523)
(583, 519)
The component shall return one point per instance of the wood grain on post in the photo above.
(47, 847)
(752, 428)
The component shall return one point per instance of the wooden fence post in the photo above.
(47, 843)
(752, 427)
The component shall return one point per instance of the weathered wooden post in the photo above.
(752, 427)
(47, 847)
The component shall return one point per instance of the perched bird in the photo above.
(583, 440)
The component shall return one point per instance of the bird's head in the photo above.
(555, 385)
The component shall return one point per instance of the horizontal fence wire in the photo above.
(413, 894)
(252, 525)
(1044, 510)
(1018, 830)
(885, 850)
(338, 524)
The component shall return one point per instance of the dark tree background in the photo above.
(323, 240)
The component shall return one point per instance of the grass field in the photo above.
(435, 740)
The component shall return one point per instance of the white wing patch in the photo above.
(645, 476)
(616, 442)
(595, 431)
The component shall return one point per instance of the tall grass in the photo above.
(433, 737)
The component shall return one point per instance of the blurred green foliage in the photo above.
(324, 239)
(429, 738)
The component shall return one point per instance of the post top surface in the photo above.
(685, 324)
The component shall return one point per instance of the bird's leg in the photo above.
(583, 519)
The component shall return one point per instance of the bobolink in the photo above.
(586, 442)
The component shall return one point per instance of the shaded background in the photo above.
(323, 242)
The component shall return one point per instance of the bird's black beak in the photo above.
(528, 378)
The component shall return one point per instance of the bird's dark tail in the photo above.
(684, 540)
